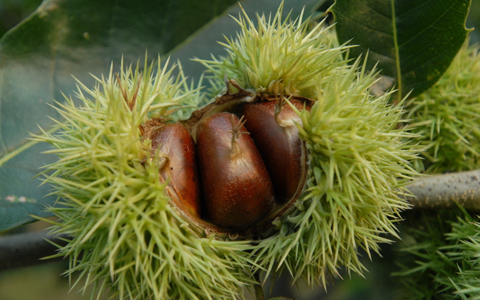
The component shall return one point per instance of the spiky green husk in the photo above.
(140, 247)
(440, 256)
(359, 162)
(447, 117)
(126, 238)
(359, 159)
(278, 56)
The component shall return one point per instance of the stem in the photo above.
(446, 190)
(258, 287)
(278, 109)
(397, 54)
(27, 249)
(435, 191)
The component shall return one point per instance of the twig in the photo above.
(27, 249)
(437, 191)
(443, 191)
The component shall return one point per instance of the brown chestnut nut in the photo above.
(271, 125)
(237, 189)
(176, 148)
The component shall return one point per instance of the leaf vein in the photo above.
(429, 26)
(412, 8)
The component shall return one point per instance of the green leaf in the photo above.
(413, 41)
(81, 37)
(64, 38)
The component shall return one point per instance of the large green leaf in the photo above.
(79, 37)
(413, 41)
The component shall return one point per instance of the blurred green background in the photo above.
(13, 12)
(45, 282)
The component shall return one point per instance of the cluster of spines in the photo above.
(446, 121)
(447, 117)
(359, 159)
(278, 56)
(438, 257)
(359, 163)
(126, 238)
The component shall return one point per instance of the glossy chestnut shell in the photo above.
(272, 127)
(237, 164)
(237, 190)
(175, 150)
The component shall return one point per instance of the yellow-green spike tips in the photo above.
(359, 161)
(359, 158)
(278, 56)
(126, 237)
